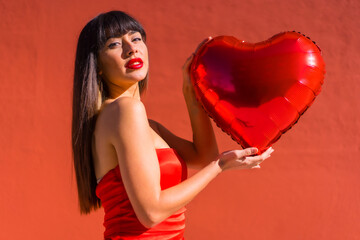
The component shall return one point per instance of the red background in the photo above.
(309, 189)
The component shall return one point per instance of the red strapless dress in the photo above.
(120, 221)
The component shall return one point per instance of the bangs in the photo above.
(116, 24)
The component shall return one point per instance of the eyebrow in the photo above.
(133, 32)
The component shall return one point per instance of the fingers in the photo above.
(202, 43)
(188, 62)
(249, 152)
(244, 159)
(264, 155)
(260, 158)
(268, 152)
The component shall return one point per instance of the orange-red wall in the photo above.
(309, 189)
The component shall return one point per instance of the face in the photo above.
(123, 60)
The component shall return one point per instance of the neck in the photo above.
(128, 91)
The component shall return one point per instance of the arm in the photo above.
(131, 137)
(204, 141)
(203, 148)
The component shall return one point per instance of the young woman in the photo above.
(133, 166)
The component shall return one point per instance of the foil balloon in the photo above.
(256, 92)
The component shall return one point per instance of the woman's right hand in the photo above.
(187, 85)
(243, 159)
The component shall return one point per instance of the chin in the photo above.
(139, 75)
(136, 78)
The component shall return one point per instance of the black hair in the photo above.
(89, 92)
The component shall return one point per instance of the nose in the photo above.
(130, 49)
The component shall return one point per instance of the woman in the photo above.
(134, 167)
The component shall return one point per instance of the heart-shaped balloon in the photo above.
(257, 92)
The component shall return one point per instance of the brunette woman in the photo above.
(133, 166)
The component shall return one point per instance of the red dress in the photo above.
(120, 221)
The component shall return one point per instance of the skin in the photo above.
(125, 136)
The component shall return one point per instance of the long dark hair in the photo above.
(89, 92)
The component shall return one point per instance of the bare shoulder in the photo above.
(122, 115)
(121, 109)
(123, 104)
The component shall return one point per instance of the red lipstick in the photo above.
(135, 63)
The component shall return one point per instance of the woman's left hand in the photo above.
(187, 85)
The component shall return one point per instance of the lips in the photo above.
(135, 63)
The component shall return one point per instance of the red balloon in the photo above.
(257, 92)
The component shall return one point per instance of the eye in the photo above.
(114, 44)
(137, 39)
